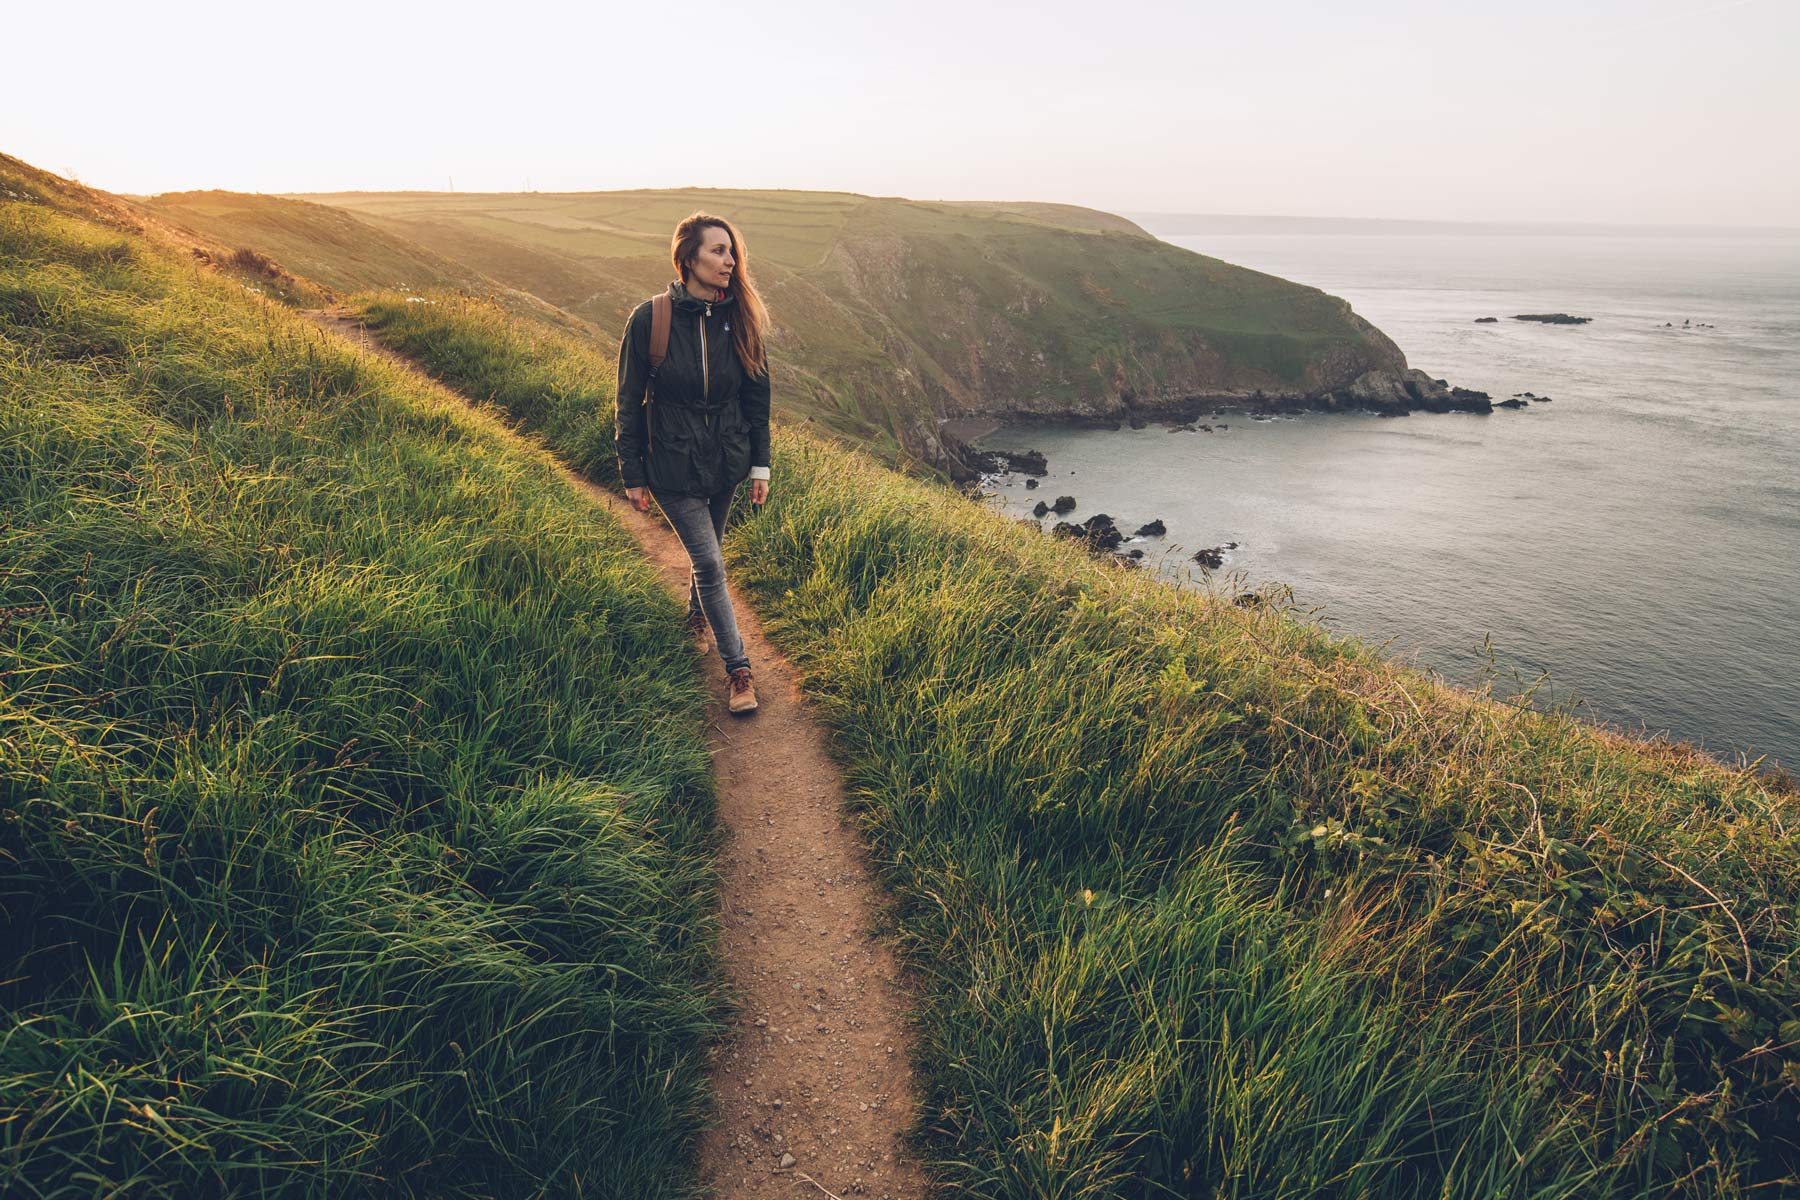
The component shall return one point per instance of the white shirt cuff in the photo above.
(759, 472)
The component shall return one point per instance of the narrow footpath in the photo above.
(814, 1086)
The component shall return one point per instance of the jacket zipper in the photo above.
(705, 375)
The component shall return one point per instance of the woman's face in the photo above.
(713, 262)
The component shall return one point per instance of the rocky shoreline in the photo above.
(1385, 393)
(1100, 533)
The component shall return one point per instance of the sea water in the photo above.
(1631, 548)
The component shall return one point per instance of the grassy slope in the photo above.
(334, 249)
(546, 382)
(1213, 904)
(329, 246)
(21, 181)
(354, 800)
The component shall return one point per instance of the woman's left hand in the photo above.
(759, 490)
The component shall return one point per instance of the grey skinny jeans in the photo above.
(699, 521)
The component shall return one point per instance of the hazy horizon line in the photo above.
(1214, 222)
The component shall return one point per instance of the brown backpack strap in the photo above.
(662, 312)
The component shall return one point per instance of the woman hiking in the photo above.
(694, 426)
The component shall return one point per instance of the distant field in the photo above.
(793, 229)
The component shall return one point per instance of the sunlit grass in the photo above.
(546, 381)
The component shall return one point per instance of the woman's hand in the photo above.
(639, 497)
(759, 490)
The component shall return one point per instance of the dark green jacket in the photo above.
(707, 422)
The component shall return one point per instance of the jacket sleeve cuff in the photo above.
(759, 472)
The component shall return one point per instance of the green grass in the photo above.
(1209, 903)
(355, 810)
(545, 381)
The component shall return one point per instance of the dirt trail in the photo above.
(814, 1086)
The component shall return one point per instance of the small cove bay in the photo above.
(1636, 540)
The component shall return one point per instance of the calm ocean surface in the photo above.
(1637, 540)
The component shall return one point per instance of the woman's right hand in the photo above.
(639, 497)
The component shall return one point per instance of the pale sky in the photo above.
(1650, 111)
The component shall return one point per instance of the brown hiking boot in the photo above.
(697, 628)
(741, 697)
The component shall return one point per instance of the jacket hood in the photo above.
(679, 294)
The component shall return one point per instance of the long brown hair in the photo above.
(753, 318)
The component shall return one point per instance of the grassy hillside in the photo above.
(891, 313)
(1210, 903)
(354, 798)
(20, 181)
(331, 249)
(327, 245)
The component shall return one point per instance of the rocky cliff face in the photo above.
(996, 373)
